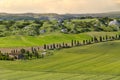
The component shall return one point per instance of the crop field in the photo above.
(99, 61)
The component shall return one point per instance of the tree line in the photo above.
(75, 26)
(24, 54)
(75, 43)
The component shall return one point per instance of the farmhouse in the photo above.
(64, 30)
(114, 22)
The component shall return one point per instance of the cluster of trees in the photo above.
(24, 54)
(37, 27)
(5, 56)
(78, 43)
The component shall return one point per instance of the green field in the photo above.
(25, 41)
(99, 61)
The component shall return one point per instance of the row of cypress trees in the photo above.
(26, 54)
(56, 46)
(84, 42)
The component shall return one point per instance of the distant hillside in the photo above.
(29, 16)
(49, 16)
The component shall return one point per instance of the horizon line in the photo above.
(57, 13)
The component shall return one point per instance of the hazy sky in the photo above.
(59, 6)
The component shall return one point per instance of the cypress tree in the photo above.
(78, 43)
(48, 47)
(110, 38)
(113, 38)
(89, 41)
(60, 46)
(92, 39)
(51, 46)
(103, 38)
(63, 45)
(54, 46)
(14, 51)
(95, 39)
(116, 37)
(100, 39)
(32, 49)
(75, 42)
(57, 46)
(83, 42)
(28, 54)
(106, 37)
(36, 53)
(39, 48)
(119, 37)
(66, 45)
(86, 41)
(23, 51)
(45, 46)
(72, 43)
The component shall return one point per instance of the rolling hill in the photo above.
(99, 61)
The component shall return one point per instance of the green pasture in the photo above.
(100, 61)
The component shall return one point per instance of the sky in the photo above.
(59, 6)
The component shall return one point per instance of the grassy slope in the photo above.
(93, 62)
(20, 41)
